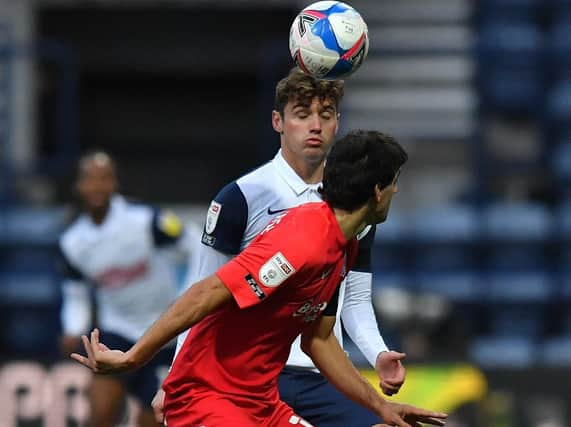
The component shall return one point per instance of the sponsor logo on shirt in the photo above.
(212, 216)
(309, 311)
(255, 287)
(275, 270)
(208, 240)
(118, 277)
(273, 212)
(272, 224)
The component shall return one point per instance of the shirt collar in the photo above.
(290, 176)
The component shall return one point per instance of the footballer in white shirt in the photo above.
(119, 252)
(306, 117)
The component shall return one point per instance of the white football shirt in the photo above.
(125, 261)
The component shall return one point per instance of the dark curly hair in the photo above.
(356, 164)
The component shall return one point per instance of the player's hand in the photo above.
(390, 371)
(402, 415)
(158, 405)
(100, 359)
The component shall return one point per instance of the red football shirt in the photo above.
(280, 283)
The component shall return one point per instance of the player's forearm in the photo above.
(192, 306)
(359, 317)
(334, 365)
(76, 308)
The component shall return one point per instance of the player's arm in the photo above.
(197, 302)
(76, 308)
(360, 322)
(319, 343)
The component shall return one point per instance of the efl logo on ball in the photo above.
(329, 40)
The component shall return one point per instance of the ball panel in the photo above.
(323, 31)
(348, 28)
(316, 64)
(322, 5)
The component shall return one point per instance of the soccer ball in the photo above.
(329, 40)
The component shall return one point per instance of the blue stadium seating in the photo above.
(32, 226)
(561, 164)
(458, 286)
(558, 46)
(510, 55)
(28, 289)
(556, 351)
(517, 221)
(503, 351)
(508, 9)
(558, 109)
(521, 287)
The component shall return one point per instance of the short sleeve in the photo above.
(365, 241)
(226, 220)
(267, 264)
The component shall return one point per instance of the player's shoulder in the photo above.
(256, 183)
(73, 234)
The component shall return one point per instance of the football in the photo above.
(329, 40)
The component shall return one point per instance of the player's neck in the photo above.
(351, 223)
(98, 215)
(311, 173)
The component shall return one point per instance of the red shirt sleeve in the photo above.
(267, 264)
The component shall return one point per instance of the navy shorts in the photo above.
(143, 383)
(312, 397)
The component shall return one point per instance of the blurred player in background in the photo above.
(306, 114)
(245, 317)
(118, 250)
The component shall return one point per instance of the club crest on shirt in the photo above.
(275, 270)
(212, 216)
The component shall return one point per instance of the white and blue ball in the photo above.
(329, 40)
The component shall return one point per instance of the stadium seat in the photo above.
(452, 223)
(558, 46)
(525, 320)
(561, 164)
(517, 221)
(510, 56)
(34, 226)
(28, 289)
(460, 286)
(521, 287)
(558, 109)
(556, 351)
(30, 332)
(508, 9)
(503, 352)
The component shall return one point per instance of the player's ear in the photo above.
(277, 122)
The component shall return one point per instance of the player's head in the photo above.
(363, 167)
(96, 180)
(306, 115)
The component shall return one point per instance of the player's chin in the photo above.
(315, 153)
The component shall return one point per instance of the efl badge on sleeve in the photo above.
(212, 216)
(275, 270)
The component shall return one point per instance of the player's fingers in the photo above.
(103, 347)
(398, 356)
(81, 359)
(432, 421)
(88, 349)
(95, 341)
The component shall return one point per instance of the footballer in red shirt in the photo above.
(280, 284)
(283, 284)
